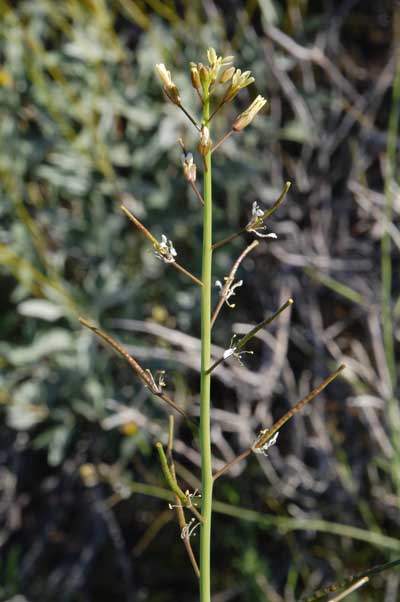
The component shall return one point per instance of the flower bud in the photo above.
(212, 56)
(205, 141)
(248, 115)
(227, 75)
(239, 81)
(204, 76)
(194, 73)
(169, 87)
(189, 168)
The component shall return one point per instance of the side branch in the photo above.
(230, 279)
(144, 375)
(220, 142)
(269, 433)
(256, 223)
(236, 349)
(163, 251)
(173, 485)
(177, 506)
(264, 440)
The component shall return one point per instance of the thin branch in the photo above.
(143, 374)
(180, 268)
(269, 433)
(275, 206)
(197, 192)
(157, 245)
(255, 222)
(321, 593)
(229, 465)
(173, 485)
(350, 589)
(220, 142)
(140, 226)
(229, 280)
(178, 507)
(225, 241)
(189, 116)
(261, 442)
(244, 340)
(221, 104)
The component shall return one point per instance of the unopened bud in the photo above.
(189, 168)
(204, 76)
(212, 56)
(205, 141)
(239, 81)
(194, 72)
(170, 88)
(227, 75)
(248, 115)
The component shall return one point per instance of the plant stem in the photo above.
(205, 438)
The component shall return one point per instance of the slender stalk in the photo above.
(229, 465)
(228, 239)
(178, 507)
(227, 135)
(189, 116)
(350, 589)
(197, 192)
(244, 340)
(267, 434)
(205, 436)
(145, 375)
(230, 280)
(157, 245)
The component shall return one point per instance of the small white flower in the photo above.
(235, 352)
(157, 387)
(227, 290)
(228, 353)
(264, 448)
(166, 250)
(189, 529)
(164, 75)
(256, 210)
(256, 224)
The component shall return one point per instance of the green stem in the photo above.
(205, 438)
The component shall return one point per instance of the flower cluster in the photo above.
(204, 76)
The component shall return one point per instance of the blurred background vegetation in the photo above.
(84, 126)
